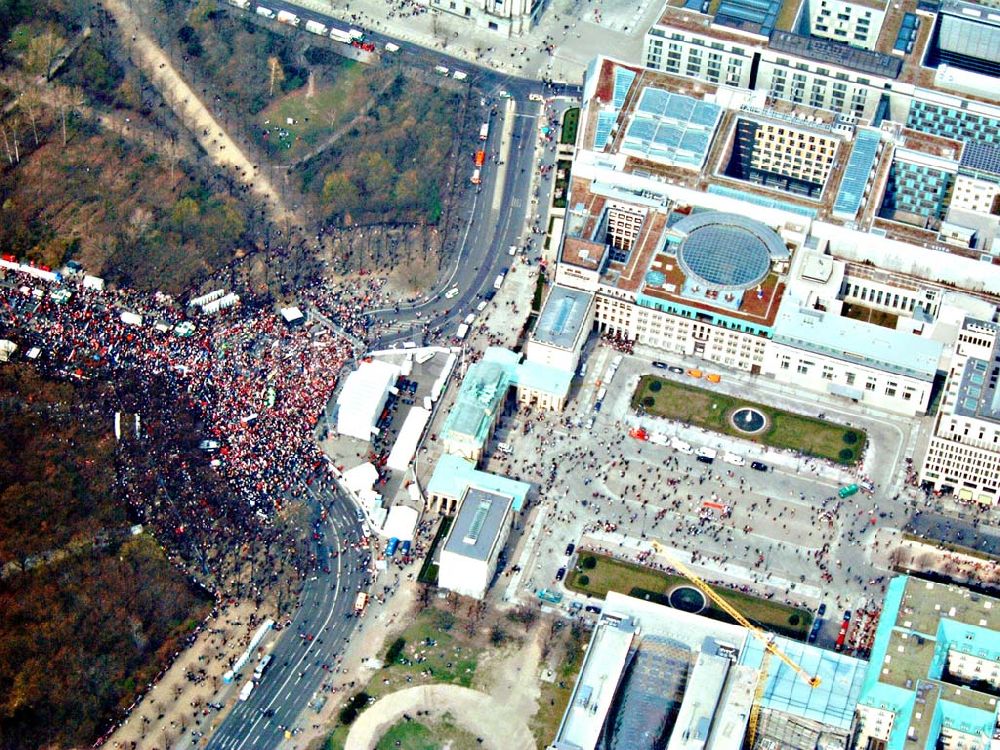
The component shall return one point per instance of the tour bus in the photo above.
(484, 131)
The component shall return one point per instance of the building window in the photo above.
(850, 378)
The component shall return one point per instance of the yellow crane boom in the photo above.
(765, 639)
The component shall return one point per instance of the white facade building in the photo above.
(472, 547)
(507, 17)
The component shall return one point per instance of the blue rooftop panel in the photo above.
(761, 200)
(605, 121)
(623, 82)
(907, 33)
(671, 128)
(859, 166)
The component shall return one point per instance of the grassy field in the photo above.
(610, 574)
(426, 735)
(436, 650)
(570, 123)
(709, 409)
(315, 117)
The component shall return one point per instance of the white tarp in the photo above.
(361, 478)
(6, 349)
(361, 399)
(401, 523)
(405, 446)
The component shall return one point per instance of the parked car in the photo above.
(759, 466)
(659, 365)
(676, 369)
(593, 608)
(560, 574)
(569, 549)
(822, 609)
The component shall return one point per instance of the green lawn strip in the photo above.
(429, 571)
(704, 408)
(629, 578)
(570, 123)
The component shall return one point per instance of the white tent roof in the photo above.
(362, 397)
(409, 435)
(361, 478)
(401, 523)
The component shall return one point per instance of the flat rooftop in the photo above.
(477, 524)
(596, 685)
(563, 317)
(922, 623)
(858, 342)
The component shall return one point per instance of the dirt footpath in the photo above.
(495, 721)
(219, 146)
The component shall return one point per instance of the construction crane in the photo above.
(766, 639)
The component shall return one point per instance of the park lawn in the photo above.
(705, 408)
(427, 735)
(554, 696)
(635, 580)
(331, 106)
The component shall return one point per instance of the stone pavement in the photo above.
(576, 31)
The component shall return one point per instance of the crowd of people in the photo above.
(257, 385)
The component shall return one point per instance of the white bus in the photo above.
(498, 281)
(462, 331)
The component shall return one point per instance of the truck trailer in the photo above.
(315, 27)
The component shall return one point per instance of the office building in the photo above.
(562, 327)
(469, 554)
(977, 182)
(658, 677)
(967, 35)
(934, 675)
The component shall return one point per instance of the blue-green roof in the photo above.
(453, 475)
(485, 386)
(832, 702)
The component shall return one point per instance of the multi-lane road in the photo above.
(306, 653)
(492, 219)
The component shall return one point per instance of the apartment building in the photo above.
(963, 454)
(856, 23)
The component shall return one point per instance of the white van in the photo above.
(504, 448)
(734, 459)
(679, 445)
(452, 293)
(458, 75)
(470, 318)
(706, 452)
(441, 70)
(390, 47)
(481, 306)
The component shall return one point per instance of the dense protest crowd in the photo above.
(257, 385)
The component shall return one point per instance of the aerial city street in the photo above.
(500, 374)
